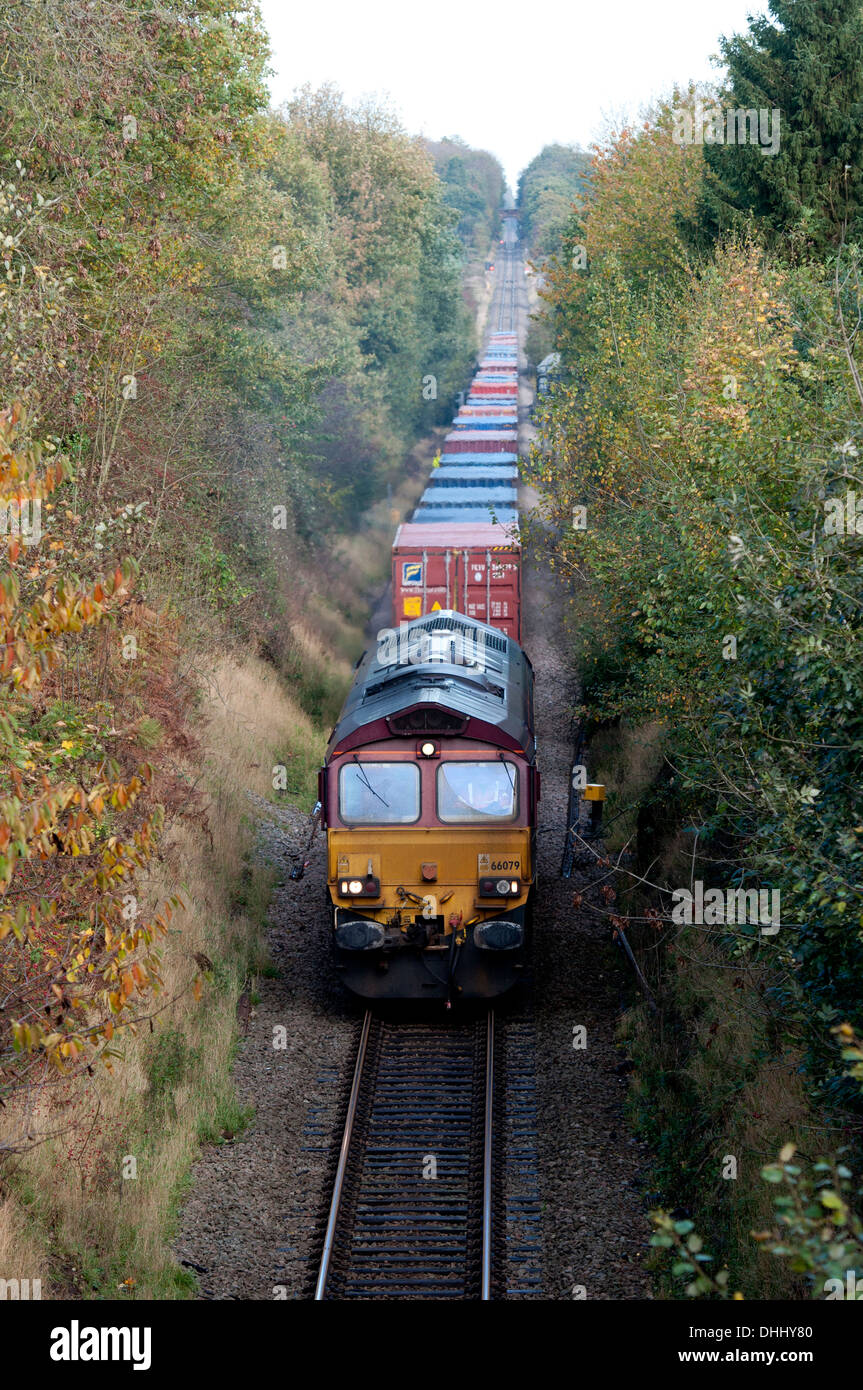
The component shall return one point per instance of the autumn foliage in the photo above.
(78, 957)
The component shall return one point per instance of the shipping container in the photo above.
(493, 423)
(495, 495)
(504, 514)
(484, 460)
(488, 410)
(482, 390)
(473, 475)
(484, 422)
(471, 567)
(480, 441)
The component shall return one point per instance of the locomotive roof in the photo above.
(494, 696)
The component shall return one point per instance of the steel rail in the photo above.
(384, 1209)
(338, 1185)
(488, 1161)
(508, 282)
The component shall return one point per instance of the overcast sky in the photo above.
(508, 78)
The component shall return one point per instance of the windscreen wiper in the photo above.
(368, 783)
(508, 773)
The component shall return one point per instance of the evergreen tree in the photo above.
(809, 66)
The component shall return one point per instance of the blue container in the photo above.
(486, 422)
(498, 494)
(505, 515)
(476, 460)
(474, 475)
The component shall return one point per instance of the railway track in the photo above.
(415, 1210)
(507, 308)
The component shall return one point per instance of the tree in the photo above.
(552, 183)
(473, 187)
(808, 65)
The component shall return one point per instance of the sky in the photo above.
(507, 78)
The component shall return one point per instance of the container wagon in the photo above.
(471, 567)
(480, 441)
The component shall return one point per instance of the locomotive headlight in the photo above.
(428, 749)
(499, 887)
(369, 887)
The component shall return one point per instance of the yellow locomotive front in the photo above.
(429, 795)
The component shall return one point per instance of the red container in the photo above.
(471, 567)
(503, 390)
(481, 442)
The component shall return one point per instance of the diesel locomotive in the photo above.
(429, 794)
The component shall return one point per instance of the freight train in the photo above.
(430, 785)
